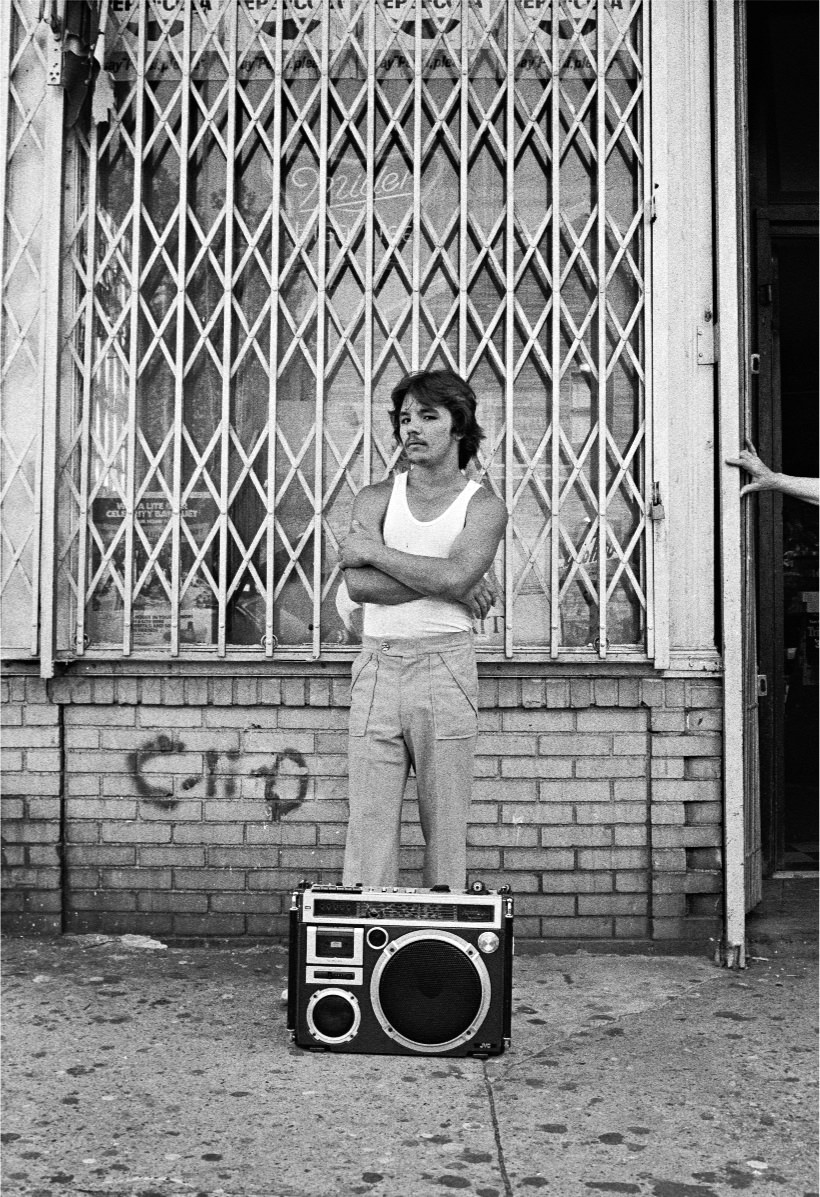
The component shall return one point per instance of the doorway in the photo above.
(783, 81)
(795, 259)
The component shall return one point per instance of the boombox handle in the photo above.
(509, 948)
(293, 968)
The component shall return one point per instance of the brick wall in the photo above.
(31, 807)
(192, 806)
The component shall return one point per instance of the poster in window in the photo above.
(151, 608)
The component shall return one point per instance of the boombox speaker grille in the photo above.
(430, 990)
(333, 1015)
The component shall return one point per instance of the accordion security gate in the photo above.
(285, 208)
(22, 327)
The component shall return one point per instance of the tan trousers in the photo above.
(413, 702)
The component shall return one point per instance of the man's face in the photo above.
(426, 431)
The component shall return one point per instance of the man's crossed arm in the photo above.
(376, 574)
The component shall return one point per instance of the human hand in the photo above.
(762, 477)
(483, 596)
(356, 549)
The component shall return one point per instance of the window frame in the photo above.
(656, 613)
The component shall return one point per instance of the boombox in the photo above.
(401, 971)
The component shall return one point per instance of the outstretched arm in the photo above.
(763, 478)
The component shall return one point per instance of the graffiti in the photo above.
(162, 745)
(285, 780)
(284, 790)
(212, 760)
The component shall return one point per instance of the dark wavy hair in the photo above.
(442, 388)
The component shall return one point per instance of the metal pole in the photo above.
(134, 336)
(273, 355)
(369, 253)
(87, 388)
(464, 186)
(179, 346)
(509, 332)
(555, 345)
(417, 169)
(601, 355)
(227, 338)
(50, 308)
(321, 338)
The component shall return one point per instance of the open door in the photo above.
(783, 193)
(787, 431)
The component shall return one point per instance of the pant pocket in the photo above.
(362, 688)
(454, 687)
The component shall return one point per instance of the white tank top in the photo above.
(424, 538)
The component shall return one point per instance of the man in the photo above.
(417, 555)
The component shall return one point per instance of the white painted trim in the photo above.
(683, 429)
(5, 80)
(729, 410)
(659, 330)
(751, 745)
(695, 660)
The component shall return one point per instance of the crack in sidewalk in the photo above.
(502, 1167)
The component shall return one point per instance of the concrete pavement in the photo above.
(132, 1071)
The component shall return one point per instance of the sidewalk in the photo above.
(139, 1072)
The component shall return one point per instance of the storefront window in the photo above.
(286, 208)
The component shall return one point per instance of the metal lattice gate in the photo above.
(22, 324)
(283, 210)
